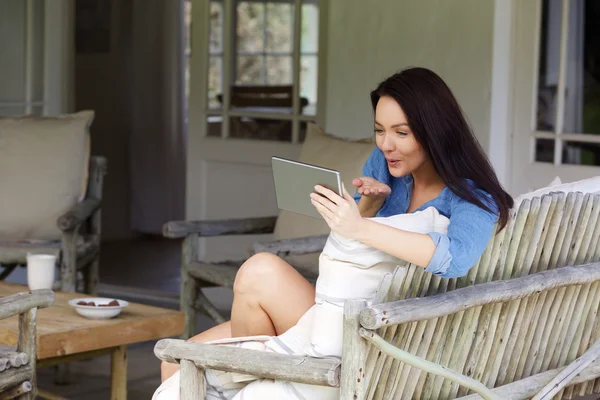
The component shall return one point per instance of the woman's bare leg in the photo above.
(270, 296)
(221, 331)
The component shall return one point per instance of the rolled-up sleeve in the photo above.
(469, 232)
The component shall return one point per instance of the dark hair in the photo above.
(440, 127)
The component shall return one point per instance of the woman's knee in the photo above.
(256, 272)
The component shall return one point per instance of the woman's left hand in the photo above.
(340, 213)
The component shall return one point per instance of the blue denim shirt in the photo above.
(469, 230)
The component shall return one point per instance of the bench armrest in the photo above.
(420, 309)
(22, 302)
(303, 369)
(207, 228)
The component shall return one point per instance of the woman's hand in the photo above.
(372, 188)
(340, 212)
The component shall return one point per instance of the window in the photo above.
(568, 106)
(262, 75)
(22, 59)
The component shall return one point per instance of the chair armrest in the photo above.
(98, 164)
(420, 309)
(79, 213)
(302, 369)
(242, 226)
(22, 302)
(286, 247)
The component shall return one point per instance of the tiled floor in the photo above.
(144, 270)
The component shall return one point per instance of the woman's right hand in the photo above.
(371, 188)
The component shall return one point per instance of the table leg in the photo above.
(118, 373)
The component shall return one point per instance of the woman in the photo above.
(426, 156)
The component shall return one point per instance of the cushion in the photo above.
(43, 172)
(344, 155)
(590, 185)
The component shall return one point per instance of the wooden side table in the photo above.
(64, 336)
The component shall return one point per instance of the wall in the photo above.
(453, 38)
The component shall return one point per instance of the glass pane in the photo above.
(279, 28)
(250, 69)
(250, 27)
(582, 101)
(310, 28)
(213, 125)
(260, 129)
(581, 153)
(544, 150)
(308, 84)
(215, 82)
(216, 27)
(279, 70)
(548, 65)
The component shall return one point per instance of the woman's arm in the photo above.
(448, 256)
(416, 248)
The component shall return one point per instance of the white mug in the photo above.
(40, 271)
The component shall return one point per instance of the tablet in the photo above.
(295, 181)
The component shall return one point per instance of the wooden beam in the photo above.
(15, 376)
(22, 302)
(302, 369)
(567, 374)
(420, 309)
(286, 247)
(16, 391)
(243, 226)
(527, 387)
(78, 214)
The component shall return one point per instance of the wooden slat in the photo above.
(15, 376)
(61, 331)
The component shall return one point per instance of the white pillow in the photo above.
(344, 262)
(43, 172)
(590, 185)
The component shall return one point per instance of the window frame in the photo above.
(559, 136)
(199, 90)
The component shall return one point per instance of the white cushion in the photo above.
(43, 172)
(590, 185)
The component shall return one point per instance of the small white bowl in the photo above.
(98, 312)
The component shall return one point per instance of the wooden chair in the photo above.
(79, 248)
(18, 367)
(268, 99)
(523, 321)
(319, 148)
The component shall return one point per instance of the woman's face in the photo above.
(395, 139)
